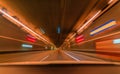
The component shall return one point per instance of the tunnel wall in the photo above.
(112, 13)
(10, 35)
(108, 47)
(88, 45)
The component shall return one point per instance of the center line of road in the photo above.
(44, 58)
(72, 56)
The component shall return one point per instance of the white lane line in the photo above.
(44, 58)
(72, 56)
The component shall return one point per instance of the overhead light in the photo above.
(110, 1)
(72, 36)
(42, 30)
(58, 29)
(91, 19)
(22, 24)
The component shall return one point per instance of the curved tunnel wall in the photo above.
(113, 13)
(10, 33)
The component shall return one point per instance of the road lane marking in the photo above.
(44, 58)
(72, 56)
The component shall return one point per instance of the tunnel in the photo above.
(59, 37)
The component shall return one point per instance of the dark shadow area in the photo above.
(61, 69)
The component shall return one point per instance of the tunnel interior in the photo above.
(60, 35)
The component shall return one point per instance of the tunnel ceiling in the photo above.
(51, 14)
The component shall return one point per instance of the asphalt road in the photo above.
(42, 56)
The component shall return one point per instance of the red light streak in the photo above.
(30, 39)
(79, 38)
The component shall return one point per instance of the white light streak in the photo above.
(21, 24)
(110, 1)
(44, 58)
(89, 21)
(72, 56)
(27, 46)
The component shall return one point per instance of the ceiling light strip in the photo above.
(110, 1)
(89, 21)
(72, 36)
(21, 24)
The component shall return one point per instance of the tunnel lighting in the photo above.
(46, 47)
(103, 27)
(30, 36)
(79, 38)
(42, 30)
(21, 24)
(27, 46)
(58, 30)
(110, 1)
(89, 21)
(72, 36)
(31, 40)
(116, 41)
